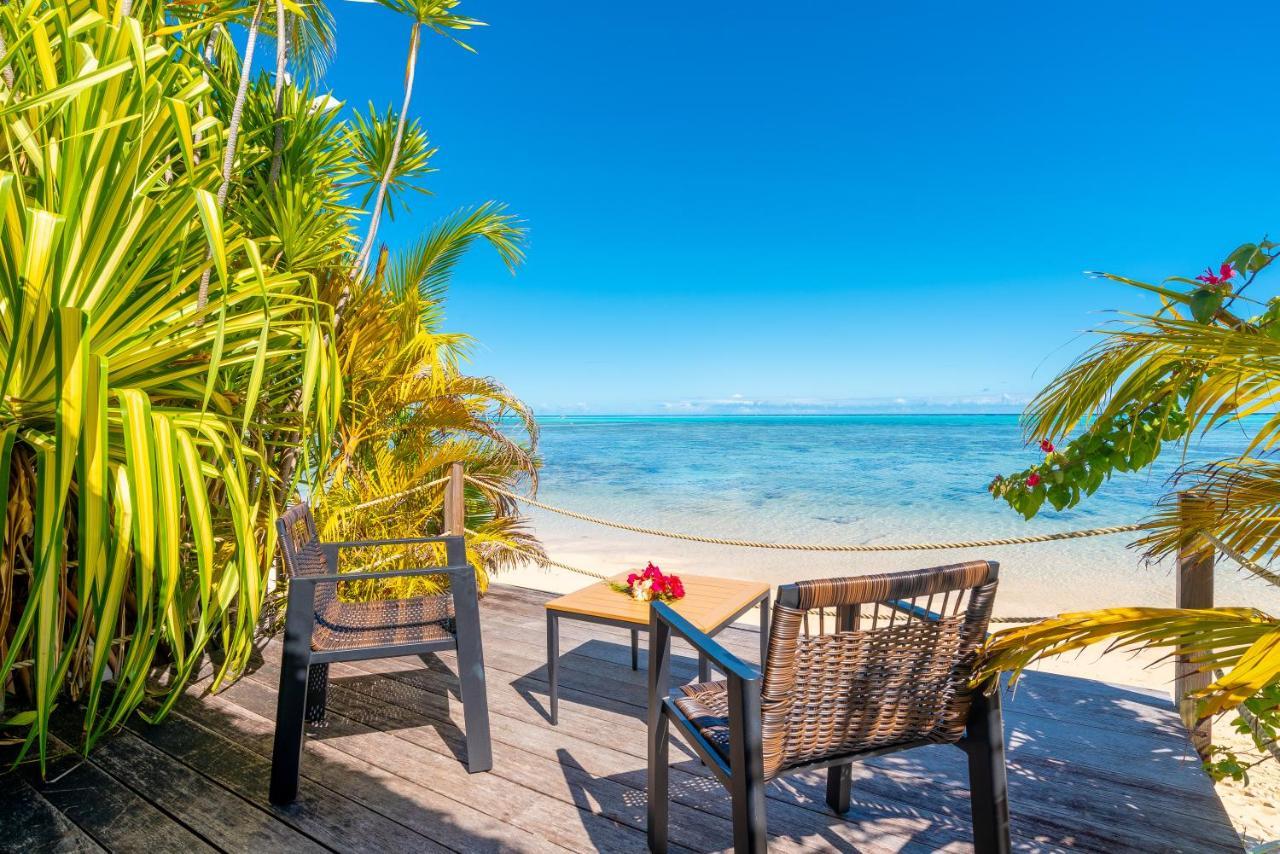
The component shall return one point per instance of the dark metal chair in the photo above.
(320, 628)
(890, 680)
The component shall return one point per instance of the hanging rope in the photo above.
(397, 496)
(814, 547)
(546, 561)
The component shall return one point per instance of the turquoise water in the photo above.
(849, 479)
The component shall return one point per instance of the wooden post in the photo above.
(455, 506)
(1195, 590)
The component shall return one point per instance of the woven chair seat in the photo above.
(387, 622)
(706, 705)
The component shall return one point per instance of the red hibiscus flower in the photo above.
(1033, 479)
(1046, 446)
(1224, 274)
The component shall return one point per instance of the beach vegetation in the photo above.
(1208, 358)
(188, 343)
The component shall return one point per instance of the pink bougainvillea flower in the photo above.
(1224, 274)
(1046, 446)
(1033, 479)
(675, 587)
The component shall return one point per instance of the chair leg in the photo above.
(317, 693)
(475, 698)
(839, 784)
(988, 787)
(658, 793)
(291, 703)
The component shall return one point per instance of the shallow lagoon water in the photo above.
(852, 479)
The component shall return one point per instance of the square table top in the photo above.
(708, 602)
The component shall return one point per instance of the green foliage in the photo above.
(136, 442)
(148, 440)
(1163, 379)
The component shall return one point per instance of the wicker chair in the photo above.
(891, 675)
(320, 628)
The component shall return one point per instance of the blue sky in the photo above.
(825, 205)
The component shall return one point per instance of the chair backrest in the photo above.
(299, 542)
(884, 676)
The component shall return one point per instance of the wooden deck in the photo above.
(1091, 767)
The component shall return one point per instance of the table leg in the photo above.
(704, 668)
(766, 606)
(553, 664)
(635, 649)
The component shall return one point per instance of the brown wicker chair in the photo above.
(320, 628)
(891, 675)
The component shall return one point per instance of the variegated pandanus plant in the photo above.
(137, 431)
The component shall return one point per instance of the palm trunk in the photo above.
(233, 135)
(362, 260)
(277, 145)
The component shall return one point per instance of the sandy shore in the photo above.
(1254, 809)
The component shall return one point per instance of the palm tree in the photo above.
(233, 133)
(438, 16)
(410, 411)
(309, 32)
(1163, 379)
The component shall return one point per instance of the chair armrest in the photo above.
(395, 541)
(703, 643)
(455, 549)
(386, 573)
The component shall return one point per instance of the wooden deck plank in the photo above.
(214, 813)
(1092, 767)
(574, 769)
(209, 744)
(33, 825)
(1057, 800)
(108, 811)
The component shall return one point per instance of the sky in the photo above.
(824, 206)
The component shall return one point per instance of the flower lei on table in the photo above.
(649, 584)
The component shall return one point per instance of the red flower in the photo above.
(675, 587)
(1046, 446)
(632, 579)
(1225, 274)
(1033, 479)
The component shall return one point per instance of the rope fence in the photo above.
(813, 547)
(546, 561)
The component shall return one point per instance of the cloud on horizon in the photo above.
(738, 404)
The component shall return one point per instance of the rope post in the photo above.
(1195, 590)
(455, 506)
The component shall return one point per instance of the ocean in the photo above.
(852, 479)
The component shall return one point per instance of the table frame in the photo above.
(764, 601)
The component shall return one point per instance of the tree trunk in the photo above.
(362, 260)
(277, 145)
(233, 135)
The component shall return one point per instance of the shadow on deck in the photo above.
(1091, 767)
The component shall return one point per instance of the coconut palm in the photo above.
(439, 17)
(1159, 379)
(410, 411)
(310, 33)
(233, 132)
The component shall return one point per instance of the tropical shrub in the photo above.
(187, 344)
(133, 425)
(1209, 357)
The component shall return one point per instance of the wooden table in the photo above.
(709, 603)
